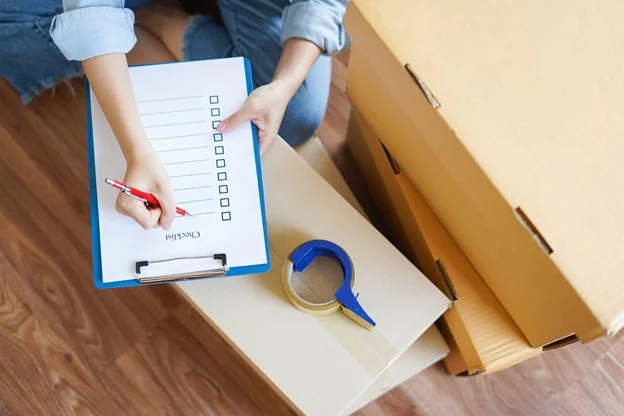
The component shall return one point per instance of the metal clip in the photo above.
(174, 277)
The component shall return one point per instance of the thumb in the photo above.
(245, 113)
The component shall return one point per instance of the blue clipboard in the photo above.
(94, 214)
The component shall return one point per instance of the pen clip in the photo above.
(126, 191)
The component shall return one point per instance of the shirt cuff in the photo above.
(316, 23)
(86, 32)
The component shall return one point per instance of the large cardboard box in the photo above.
(506, 117)
(323, 365)
(483, 336)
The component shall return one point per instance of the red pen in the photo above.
(148, 199)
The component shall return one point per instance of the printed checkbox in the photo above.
(223, 189)
(220, 163)
(214, 99)
(215, 123)
(226, 215)
(225, 202)
(222, 176)
(218, 137)
(215, 112)
(219, 150)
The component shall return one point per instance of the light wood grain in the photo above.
(66, 348)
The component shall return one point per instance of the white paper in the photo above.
(214, 176)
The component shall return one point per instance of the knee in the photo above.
(306, 110)
(301, 120)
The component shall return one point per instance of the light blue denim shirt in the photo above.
(89, 28)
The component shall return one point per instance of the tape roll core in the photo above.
(324, 308)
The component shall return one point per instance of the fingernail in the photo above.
(221, 126)
(166, 225)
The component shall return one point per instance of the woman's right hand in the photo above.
(110, 80)
(147, 174)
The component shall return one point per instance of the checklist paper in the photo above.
(215, 176)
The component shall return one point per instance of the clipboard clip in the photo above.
(146, 278)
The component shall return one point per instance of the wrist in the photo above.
(288, 83)
(136, 149)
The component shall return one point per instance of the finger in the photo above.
(246, 113)
(167, 208)
(266, 139)
(155, 217)
(135, 210)
(146, 218)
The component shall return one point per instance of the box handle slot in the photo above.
(532, 229)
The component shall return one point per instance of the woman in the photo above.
(43, 42)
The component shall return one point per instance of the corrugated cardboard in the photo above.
(507, 119)
(320, 365)
(430, 347)
(485, 336)
(316, 156)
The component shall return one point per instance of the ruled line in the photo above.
(177, 137)
(196, 200)
(190, 174)
(186, 161)
(174, 111)
(186, 148)
(175, 124)
(203, 213)
(192, 187)
(170, 99)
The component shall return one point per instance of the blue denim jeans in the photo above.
(31, 62)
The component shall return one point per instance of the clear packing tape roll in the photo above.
(344, 298)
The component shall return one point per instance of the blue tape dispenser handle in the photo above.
(302, 257)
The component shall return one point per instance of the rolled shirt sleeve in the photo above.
(88, 28)
(318, 21)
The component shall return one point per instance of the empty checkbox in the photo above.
(226, 215)
(222, 176)
(225, 202)
(223, 189)
(215, 112)
(215, 123)
(214, 99)
(219, 150)
(218, 137)
(220, 163)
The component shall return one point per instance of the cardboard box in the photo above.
(506, 117)
(321, 365)
(430, 347)
(316, 156)
(484, 336)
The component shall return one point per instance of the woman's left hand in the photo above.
(264, 107)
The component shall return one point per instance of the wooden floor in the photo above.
(66, 348)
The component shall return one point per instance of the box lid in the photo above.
(534, 93)
(321, 365)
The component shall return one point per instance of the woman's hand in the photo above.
(109, 77)
(147, 174)
(265, 108)
(266, 105)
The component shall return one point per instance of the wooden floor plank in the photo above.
(57, 266)
(394, 402)
(244, 383)
(187, 365)
(599, 392)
